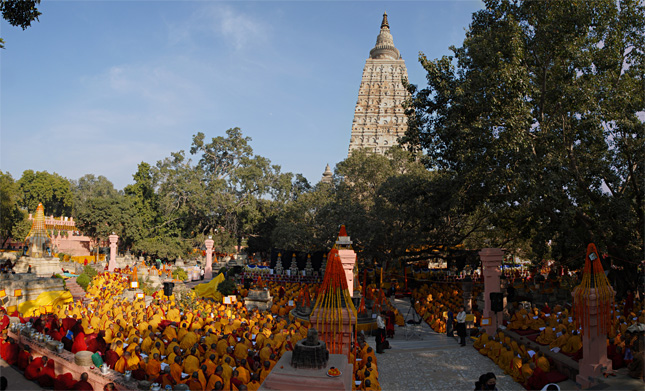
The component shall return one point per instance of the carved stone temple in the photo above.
(379, 118)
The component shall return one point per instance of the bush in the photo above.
(180, 274)
(84, 281)
(226, 287)
(90, 271)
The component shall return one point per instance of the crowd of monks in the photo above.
(557, 330)
(554, 328)
(208, 346)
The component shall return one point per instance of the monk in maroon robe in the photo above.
(537, 380)
(79, 343)
(23, 358)
(111, 357)
(47, 375)
(83, 384)
(64, 382)
(11, 352)
(33, 369)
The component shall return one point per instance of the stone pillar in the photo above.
(491, 263)
(348, 259)
(594, 345)
(112, 264)
(208, 270)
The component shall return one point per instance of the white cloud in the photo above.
(235, 29)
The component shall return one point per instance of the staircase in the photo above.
(77, 292)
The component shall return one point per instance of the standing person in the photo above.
(461, 326)
(380, 333)
(450, 320)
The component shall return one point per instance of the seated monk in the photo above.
(153, 367)
(480, 341)
(64, 381)
(11, 351)
(83, 384)
(35, 366)
(165, 379)
(79, 343)
(23, 358)
(47, 375)
(573, 344)
(560, 340)
(536, 323)
(542, 362)
(546, 336)
(519, 320)
(537, 380)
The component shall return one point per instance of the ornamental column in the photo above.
(491, 262)
(112, 263)
(592, 303)
(208, 270)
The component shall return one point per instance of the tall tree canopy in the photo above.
(52, 190)
(539, 118)
(19, 13)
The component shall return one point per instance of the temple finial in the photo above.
(384, 22)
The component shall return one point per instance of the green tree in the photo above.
(11, 214)
(537, 119)
(52, 190)
(19, 13)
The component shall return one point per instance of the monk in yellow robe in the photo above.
(481, 340)
(191, 362)
(573, 344)
(176, 370)
(546, 336)
(153, 367)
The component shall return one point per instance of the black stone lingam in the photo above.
(310, 352)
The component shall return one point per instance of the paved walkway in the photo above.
(430, 361)
(15, 379)
(433, 361)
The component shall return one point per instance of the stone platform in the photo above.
(30, 285)
(285, 377)
(42, 267)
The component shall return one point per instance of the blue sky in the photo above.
(100, 86)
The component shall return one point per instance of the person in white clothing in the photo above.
(461, 326)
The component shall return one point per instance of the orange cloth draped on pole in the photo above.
(593, 277)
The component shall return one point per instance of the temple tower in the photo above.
(379, 117)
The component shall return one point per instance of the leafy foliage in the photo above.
(538, 120)
(180, 274)
(226, 287)
(19, 13)
(52, 190)
(84, 281)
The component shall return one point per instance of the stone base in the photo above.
(285, 377)
(30, 285)
(258, 298)
(590, 372)
(42, 267)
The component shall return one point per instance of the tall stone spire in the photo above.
(379, 117)
(384, 47)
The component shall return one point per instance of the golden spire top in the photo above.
(384, 22)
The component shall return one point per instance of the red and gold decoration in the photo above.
(593, 295)
(333, 292)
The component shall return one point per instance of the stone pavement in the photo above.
(15, 379)
(431, 361)
(435, 361)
